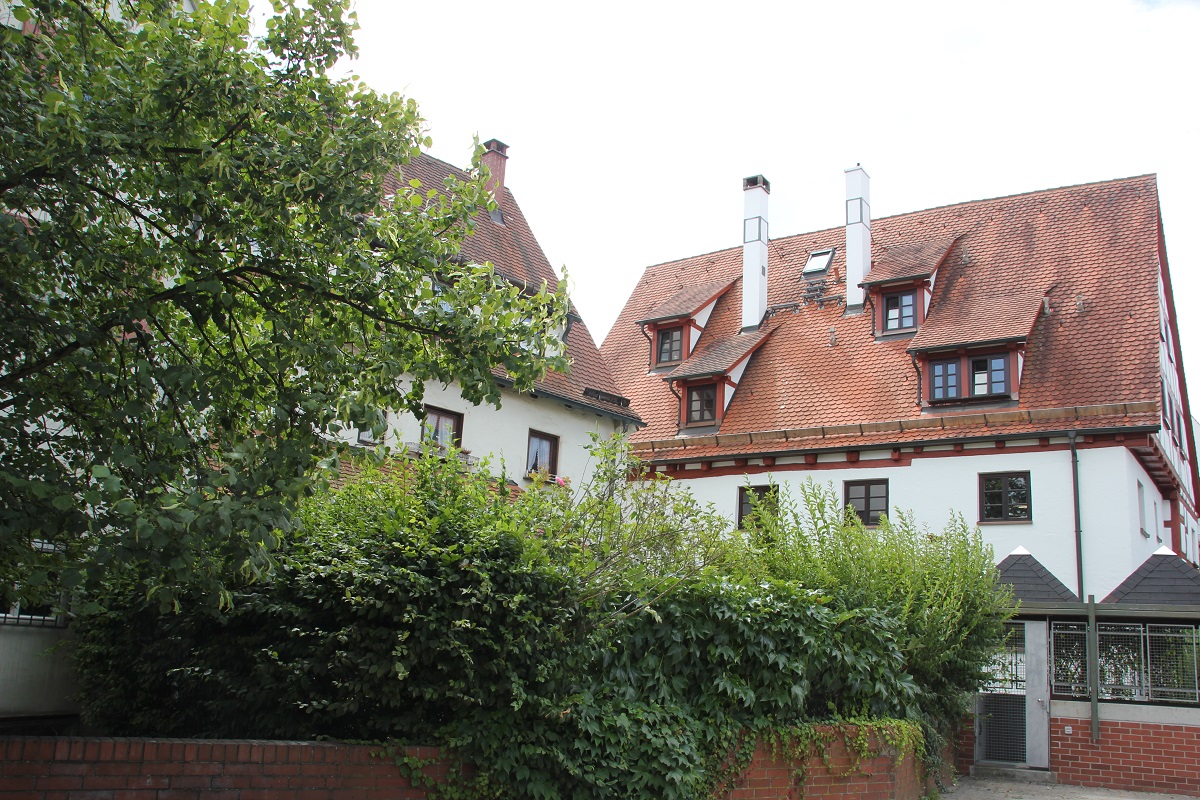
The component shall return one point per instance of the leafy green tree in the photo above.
(203, 282)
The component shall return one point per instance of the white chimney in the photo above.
(858, 234)
(754, 251)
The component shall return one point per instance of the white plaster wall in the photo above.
(933, 488)
(502, 434)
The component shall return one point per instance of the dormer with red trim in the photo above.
(900, 285)
(705, 383)
(974, 350)
(674, 326)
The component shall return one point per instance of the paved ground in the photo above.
(993, 788)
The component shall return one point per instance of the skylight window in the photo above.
(818, 261)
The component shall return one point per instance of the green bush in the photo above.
(406, 602)
(615, 641)
(941, 587)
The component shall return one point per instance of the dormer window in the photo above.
(989, 375)
(900, 311)
(670, 345)
(701, 404)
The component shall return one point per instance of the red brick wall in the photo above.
(965, 745)
(1128, 755)
(840, 775)
(44, 768)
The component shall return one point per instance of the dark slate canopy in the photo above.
(1164, 578)
(1030, 581)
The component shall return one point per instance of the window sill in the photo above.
(988, 522)
(895, 333)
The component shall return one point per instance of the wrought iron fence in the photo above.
(1143, 662)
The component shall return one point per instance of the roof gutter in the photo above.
(886, 445)
(958, 345)
(571, 401)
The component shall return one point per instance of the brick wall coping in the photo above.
(1127, 712)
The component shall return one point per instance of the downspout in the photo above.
(917, 369)
(1071, 437)
(649, 361)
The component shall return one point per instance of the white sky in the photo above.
(631, 125)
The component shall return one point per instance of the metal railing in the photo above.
(1149, 662)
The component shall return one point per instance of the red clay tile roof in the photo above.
(822, 369)
(688, 301)
(909, 261)
(978, 320)
(516, 254)
(720, 357)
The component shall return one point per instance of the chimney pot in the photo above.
(495, 155)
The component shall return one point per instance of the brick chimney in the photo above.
(495, 155)
(754, 251)
(858, 234)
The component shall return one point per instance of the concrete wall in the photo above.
(940, 481)
(35, 674)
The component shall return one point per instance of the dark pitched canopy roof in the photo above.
(1163, 578)
(1030, 581)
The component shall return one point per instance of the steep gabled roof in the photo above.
(1163, 578)
(1093, 250)
(1031, 582)
(511, 247)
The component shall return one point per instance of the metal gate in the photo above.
(1013, 710)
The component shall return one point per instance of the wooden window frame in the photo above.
(659, 333)
(1006, 514)
(991, 390)
(553, 458)
(457, 426)
(767, 494)
(688, 389)
(866, 486)
(915, 296)
(942, 362)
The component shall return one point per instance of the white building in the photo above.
(546, 430)
(1015, 360)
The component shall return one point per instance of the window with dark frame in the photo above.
(900, 311)
(702, 403)
(670, 345)
(943, 380)
(441, 427)
(1005, 497)
(989, 375)
(543, 454)
(767, 497)
(868, 499)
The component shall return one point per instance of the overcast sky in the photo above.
(631, 125)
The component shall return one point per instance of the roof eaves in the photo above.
(956, 345)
